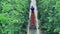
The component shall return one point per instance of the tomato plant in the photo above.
(49, 16)
(13, 16)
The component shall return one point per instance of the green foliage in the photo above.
(49, 16)
(13, 16)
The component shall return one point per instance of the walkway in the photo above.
(33, 31)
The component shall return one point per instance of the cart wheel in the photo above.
(32, 27)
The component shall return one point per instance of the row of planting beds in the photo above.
(49, 16)
(14, 16)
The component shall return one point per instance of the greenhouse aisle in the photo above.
(33, 31)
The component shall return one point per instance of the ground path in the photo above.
(33, 31)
